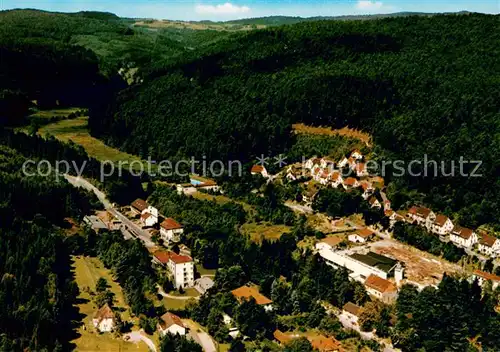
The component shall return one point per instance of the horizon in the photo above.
(220, 11)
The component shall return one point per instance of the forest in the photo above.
(419, 85)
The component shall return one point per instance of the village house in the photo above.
(361, 235)
(482, 277)
(328, 243)
(422, 216)
(394, 216)
(374, 203)
(382, 289)
(361, 170)
(95, 223)
(259, 170)
(352, 312)
(313, 163)
(171, 230)
(293, 173)
(463, 237)
(171, 324)
(327, 163)
(246, 292)
(367, 189)
(180, 267)
(356, 154)
(489, 245)
(319, 343)
(442, 225)
(348, 162)
(148, 220)
(104, 319)
(335, 179)
(350, 182)
(324, 178)
(138, 206)
(185, 188)
(385, 201)
(208, 185)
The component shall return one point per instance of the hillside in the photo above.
(419, 85)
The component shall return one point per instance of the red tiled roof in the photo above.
(487, 240)
(245, 292)
(105, 312)
(352, 308)
(487, 276)
(350, 181)
(168, 319)
(335, 175)
(373, 200)
(441, 220)
(463, 232)
(165, 256)
(257, 169)
(145, 216)
(139, 204)
(170, 224)
(379, 284)
(332, 241)
(365, 185)
(325, 344)
(360, 167)
(365, 233)
(388, 212)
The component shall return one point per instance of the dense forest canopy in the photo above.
(419, 85)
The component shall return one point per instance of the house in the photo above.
(95, 223)
(356, 154)
(360, 236)
(442, 225)
(294, 173)
(367, 189)
(259, 170)
(138, 206)
(282, 338)
(335, 179)
(203, 284)
(482, 277)
(463, 237)
(361, 170)
(104, 319)
(316, 174)
(489, 245)
(322, 343)
(208, 185)
(148, 220)
(181, 267)
(348, 162)
(185, 188)
(312, 163)
(352, 312)
(171, 230)
(171, 324)
(246, 292)
(385, 201)
(422, 216)
(382, 289)
(374, 203)
(394, 216)
(350, 182)
(328, 243)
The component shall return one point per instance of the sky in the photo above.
(222, 10)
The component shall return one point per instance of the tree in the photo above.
(251, 318)
(177, 343)
(101, 285)
(299, 345)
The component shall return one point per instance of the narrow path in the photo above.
(180, 298)
(136, 336)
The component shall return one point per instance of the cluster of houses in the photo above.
(319, 343)
(442, 226)
(328, 173)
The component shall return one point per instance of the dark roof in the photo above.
(463, 232)
(139, 204)
(375, 260)
(351, 308)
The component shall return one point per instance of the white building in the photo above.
(203, 284)
(171, 324)
(312, 163)
(374, 203)
(328, 243)
(361, 170)
(367, 189)
(442, 225)
(104, 319)
(352, 312)
(171, 230)
(148, 220)
(423, 216)
(360, 236)
(489, 245)
(382, 289)
(356, 154)
(463, 237)
(181, 267)
(350, 182)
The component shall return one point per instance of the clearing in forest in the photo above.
(264, 230)
(328, 131)
(87, 271)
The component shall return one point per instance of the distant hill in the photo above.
(421, 85)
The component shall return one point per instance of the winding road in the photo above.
(130, 227)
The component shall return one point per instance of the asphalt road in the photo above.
(130, 227)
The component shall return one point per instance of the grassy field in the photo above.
(264, 230)
(76, 130)
(55, 112)
(220, 199)
(87, 271)
(328, 131)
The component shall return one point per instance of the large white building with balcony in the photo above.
(181, 267)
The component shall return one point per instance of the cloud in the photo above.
(223, 9)
(367, 5)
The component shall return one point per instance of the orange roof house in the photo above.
(246, 292)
